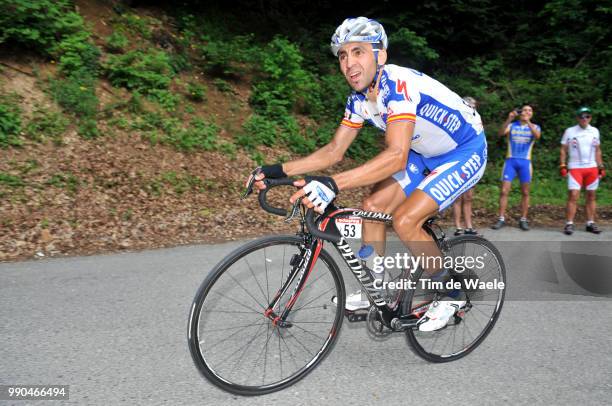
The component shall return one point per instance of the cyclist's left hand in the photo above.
(316, 192)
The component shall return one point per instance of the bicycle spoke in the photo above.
(256, 281)
(245, 346)
(247, 292)
(327, 291)
(238, 303)
(235, 345)
(267, 284)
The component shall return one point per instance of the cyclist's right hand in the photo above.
(266, 171)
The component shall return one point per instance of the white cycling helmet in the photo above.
(360, 29)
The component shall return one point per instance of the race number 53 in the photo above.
(349, 227)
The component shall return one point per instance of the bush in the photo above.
(227, 57)
(257, 130)
(10, 125)
(283, 79)
(117, 42)
(168, 100)
(196, 91)
(38, 25)
(199, 135)
(141, 71)
(76, 94)
(76, 53)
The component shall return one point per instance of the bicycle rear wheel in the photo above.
(236, 346)
(470, 326)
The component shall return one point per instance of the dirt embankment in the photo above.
(120, 192)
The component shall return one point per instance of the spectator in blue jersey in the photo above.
(522, 134)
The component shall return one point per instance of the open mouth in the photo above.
(354, 77)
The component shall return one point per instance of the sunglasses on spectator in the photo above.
(582, 117)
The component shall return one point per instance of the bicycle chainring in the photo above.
(376, 327)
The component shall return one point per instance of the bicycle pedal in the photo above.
(356, 316)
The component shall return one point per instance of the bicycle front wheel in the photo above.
(482, 289)
(236, 346)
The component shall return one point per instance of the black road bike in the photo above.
(269, 312)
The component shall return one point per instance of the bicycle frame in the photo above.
(309, 255)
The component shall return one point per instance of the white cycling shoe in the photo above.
(356, 301)
(439, 314)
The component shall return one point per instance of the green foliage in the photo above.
(228, 149)
(53, 29)
(38, 25)
(199, 135)
(404, 41)
(77, 54)
(196, 91)
(257, 130)
(283, 80)
(139, 70)
(117, 42)
(367, 145)
(76, 94)
(66, 181)
(223, 86)
(135, 24)
(46, 123)
(168, 100)
(12, 181)
(228, 57)
(10, 122)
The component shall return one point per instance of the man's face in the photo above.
(526, 113)
(584, 119)
(357, 64)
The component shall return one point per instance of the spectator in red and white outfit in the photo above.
(584, 167)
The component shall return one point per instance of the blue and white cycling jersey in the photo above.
(520, 140)
(442, 119)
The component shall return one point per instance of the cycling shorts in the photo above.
(514, 167)
(578, 178)
(450, 174)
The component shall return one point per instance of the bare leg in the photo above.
(524, 199)
(457, 207)
(572, 199)
(386, 196)
(590, 205)
(408, 222)
(467, 207)
(503, 198)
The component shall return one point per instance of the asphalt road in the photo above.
(113, 327)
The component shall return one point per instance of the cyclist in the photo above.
(427, 127)
(581, 142)
(521, 134)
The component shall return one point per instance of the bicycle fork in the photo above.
(302, 265)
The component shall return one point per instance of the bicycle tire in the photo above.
(226, 264)
(413, 335)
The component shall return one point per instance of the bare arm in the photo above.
(393, 159)
(563, 155)
(534, 130)
(598, 156)
(325, 156)
(504, 130)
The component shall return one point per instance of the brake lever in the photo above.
(249, 187)
(294, 211)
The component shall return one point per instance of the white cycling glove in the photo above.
(319, 193)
